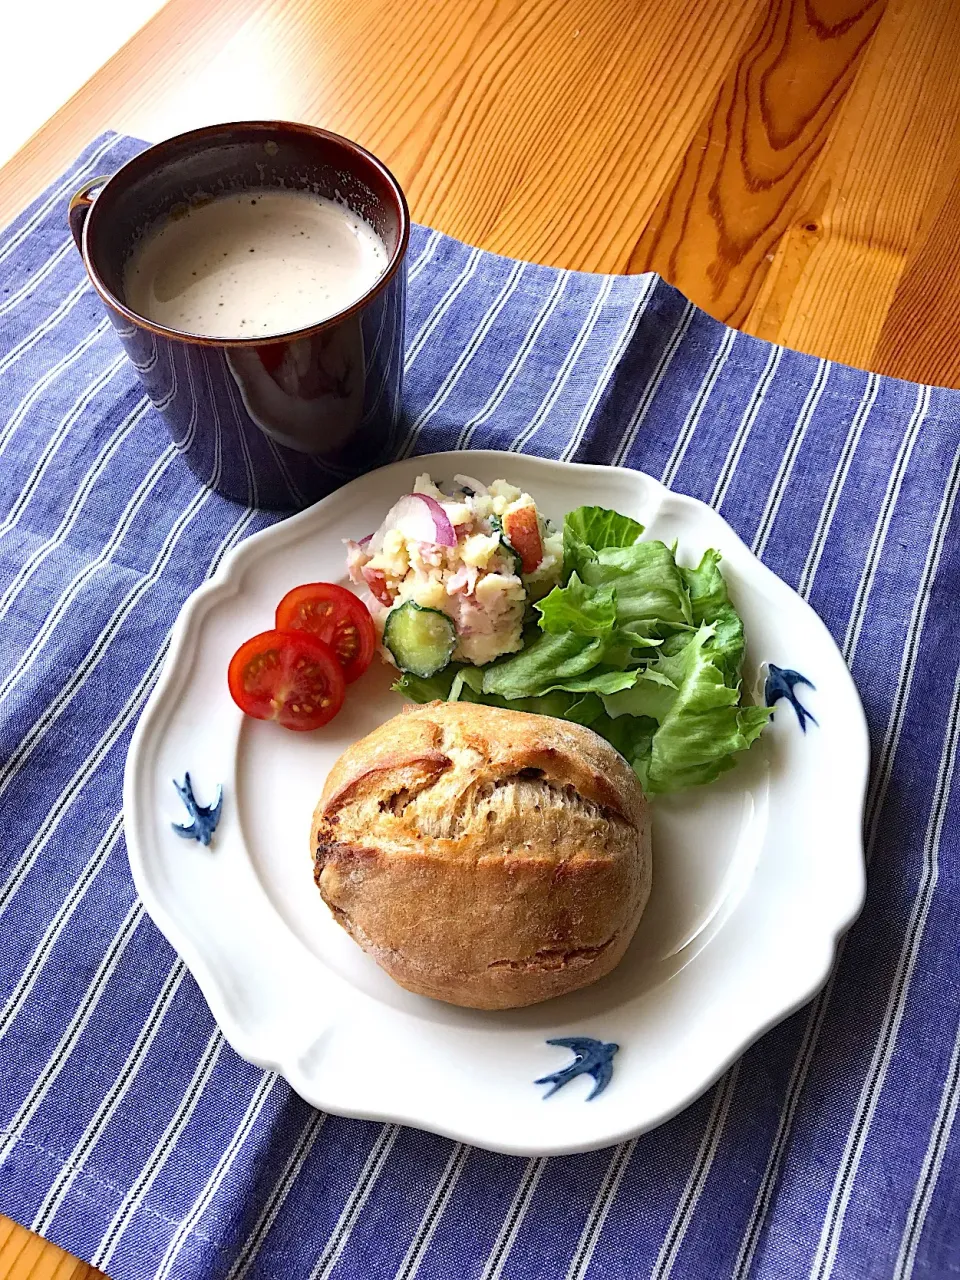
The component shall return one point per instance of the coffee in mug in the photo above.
(253, 265)
(255, 272)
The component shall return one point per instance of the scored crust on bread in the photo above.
(485, 857)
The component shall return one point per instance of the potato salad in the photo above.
(453, 572)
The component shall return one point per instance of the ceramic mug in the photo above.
(271, 422)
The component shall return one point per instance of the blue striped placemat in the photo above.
(132, 1135)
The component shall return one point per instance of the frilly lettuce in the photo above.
(646, 652)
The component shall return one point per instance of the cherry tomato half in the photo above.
(337, 617)
(287, 676)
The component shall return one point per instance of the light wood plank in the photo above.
(894, 145)
(24, 1256)
(740, 182)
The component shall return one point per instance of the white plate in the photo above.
(755, 877)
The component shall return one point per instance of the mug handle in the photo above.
(80, 204)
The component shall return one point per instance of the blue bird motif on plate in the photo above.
(782, 683)
(591, 1058)
(204, 819)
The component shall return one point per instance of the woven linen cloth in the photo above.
(132, 1135)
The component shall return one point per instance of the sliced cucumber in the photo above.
(421, 640)
(496, 524)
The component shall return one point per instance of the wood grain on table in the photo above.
(24, 1256)
(791, 165)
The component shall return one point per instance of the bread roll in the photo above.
(487, 858)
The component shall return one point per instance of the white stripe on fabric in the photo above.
(92, 996)
(562, 375)
(702, 1164)
(129, 711)
(462, 362)
(778, 1148)
(49, 322)
(883, 766)
(250, 1248)
(425, 256)
(789, 459)
(454, 290)
(433, 1213)
(53, 201)
(41, 954)
(33, 395)
(94, 656)
(692, 420)
(45, 269)
(53, 442)
(597, 1217)
(75, 1161)
(365, 1183)
(68, 186)
(735, 452)
(859, 611)
(72, 513)
(217, 471)
(634, 317)
(177, 1123)
(56, 611)
(932, 1164)
(818, 1010)
(654, 383)
(896, 1006)
(516, 364)
(845, 460)
(215, 1181)
(75, 1028)
(497, 1258)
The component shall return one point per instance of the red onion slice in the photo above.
(469, 483)
(419, 518)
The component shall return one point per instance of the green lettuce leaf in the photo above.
(645, 652)
(582, 610)
(648, 584)
(631, 735)
(547, 662)
(706, 587)
(464, 684)
(428, 688)
(599, 527)
(591, 529)
(700, 724)
(581, 647)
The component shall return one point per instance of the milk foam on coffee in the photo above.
(253, 264)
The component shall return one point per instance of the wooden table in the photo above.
(791, 165)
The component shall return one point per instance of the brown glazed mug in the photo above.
(272, 422)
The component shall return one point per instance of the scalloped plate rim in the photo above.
(227, 582)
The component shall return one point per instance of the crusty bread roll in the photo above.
(483, 857)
